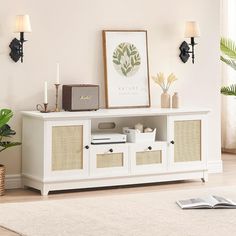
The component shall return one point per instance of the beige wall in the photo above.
(70, 32)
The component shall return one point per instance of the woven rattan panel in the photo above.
(187, 139)
(147, 158)
(67, 147)
(110, 160)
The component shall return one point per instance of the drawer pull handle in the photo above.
(87, 147)
(111, 150)
(172, 142)
(150, 148)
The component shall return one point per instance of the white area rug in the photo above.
(137, 214)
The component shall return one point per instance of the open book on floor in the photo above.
(208, 202)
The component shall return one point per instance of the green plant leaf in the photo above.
(229, 62)
(229, 90)
(6, 131)
(228, 47)
(5, 116)
(5, 145)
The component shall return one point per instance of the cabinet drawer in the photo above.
(148, 158)
(109, 160)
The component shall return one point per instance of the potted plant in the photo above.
(228, 49)
(5, 134)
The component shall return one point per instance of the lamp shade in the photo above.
(191, 29)
(22, 24)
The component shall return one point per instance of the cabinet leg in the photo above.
(205, 177)
(44, 192)
(24, 186)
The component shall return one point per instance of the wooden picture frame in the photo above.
(126, 68)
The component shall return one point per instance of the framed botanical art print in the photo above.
(126, 68)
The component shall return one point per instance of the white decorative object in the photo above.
(22, 24)
(139, 127)
(192, 29)
(133, 136)
(58, 74)
(148, 130)
(179, 151)
(45, 92)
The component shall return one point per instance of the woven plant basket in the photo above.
(2, 179)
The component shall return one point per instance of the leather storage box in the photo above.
(80, 97)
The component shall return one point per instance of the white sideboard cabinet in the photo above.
(57, 153)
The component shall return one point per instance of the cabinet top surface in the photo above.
(103, 113)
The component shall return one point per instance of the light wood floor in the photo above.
(215, 180)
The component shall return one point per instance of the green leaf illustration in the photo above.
(128, 70)
(133, 53)
(116, 62)
(124, 71)
(126, 59)
(128, 52)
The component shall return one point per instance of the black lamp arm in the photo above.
(185, 50)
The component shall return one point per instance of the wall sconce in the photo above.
(22, 26)
(191, 31)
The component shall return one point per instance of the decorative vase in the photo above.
(2, 179)
(165, 100)
(175, 100)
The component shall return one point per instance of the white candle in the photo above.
(58, 74)
(45, 92)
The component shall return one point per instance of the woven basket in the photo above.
(2, 180)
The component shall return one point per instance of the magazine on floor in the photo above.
(209, 202)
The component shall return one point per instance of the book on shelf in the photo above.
(208, 202)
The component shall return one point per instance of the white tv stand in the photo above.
(57, 154)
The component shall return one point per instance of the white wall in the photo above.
(70, 32)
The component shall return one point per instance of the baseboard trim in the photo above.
(215, 166)
(13, 181)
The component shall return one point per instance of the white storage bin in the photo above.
(133, 136)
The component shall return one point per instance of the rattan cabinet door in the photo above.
(68, 148)
(187, 142)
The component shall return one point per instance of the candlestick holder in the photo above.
(43, 108)
(57, 109)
